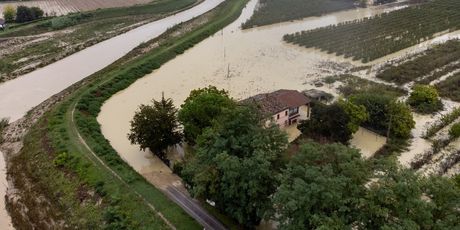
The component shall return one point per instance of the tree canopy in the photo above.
(332, 187)
(425, 99)
(385, 111)
(9, 12)
(235, 164)
(201, 108)
(155, 127)
(336, 122)
(26, 14)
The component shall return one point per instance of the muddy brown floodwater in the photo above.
(243, 62)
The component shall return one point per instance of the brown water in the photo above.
(243, 62)
(368, 142)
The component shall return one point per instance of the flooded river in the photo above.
(243, 62)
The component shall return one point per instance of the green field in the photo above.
(450, 87)
(61, 169)
(372, 38)
(275, 11)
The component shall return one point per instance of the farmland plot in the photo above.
(375, 37)
(62, 7)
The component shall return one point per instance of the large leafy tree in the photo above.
(425, 99)
(201, 108)
(336, 122)
(386, 114)
(332, 187)
(155, 127)
(321, 188)
(235, 164)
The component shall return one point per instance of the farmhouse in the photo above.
(2, 23)
(284, 107)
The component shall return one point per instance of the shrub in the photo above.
(454, 131)
(425, 99)
(62, 22)
(9, 12)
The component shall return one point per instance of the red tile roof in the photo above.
(275, 102)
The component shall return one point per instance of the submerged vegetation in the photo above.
(426, 67)
(354, 84)
(274, 11)
(371, 38)
(450, 87)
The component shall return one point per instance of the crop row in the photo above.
(432, 64)
(274, 11)
(450, 87)
(375, 37)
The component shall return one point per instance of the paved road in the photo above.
(194, 209)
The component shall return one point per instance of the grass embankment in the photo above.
(82, 192)
(426, 67)
(34, 45)
(275, 11)
(372, 38)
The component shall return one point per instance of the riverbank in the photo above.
(55, 133)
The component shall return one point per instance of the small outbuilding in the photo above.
(318, 95)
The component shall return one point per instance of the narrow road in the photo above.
(194, 209)
(21, 94)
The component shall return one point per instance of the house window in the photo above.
(285, 113)
(293, 111)
(277, 117)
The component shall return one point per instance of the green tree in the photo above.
(155, 127)
(9, 12)
(27, 14)
(386, 114)
(332, 187)
(327, 123)
(401, 119)
(201, 108)
(356, 113)
(425, 99)
(236, 163)
(321, 188)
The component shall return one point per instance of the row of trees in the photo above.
(22, 14)
(238, 163)
(432, 64)
(274, 11)
(375, 37)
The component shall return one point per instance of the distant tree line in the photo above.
(22, 14)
